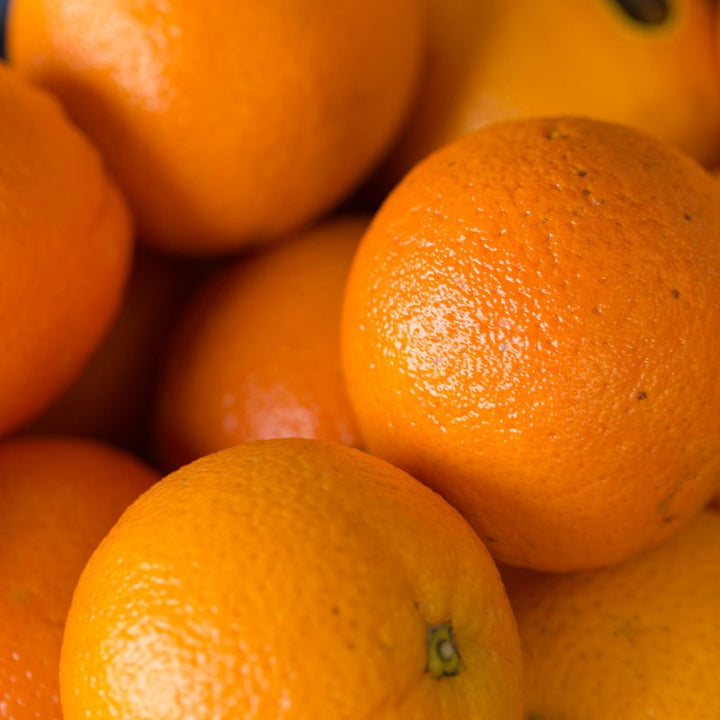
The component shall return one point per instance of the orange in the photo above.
(651, 65)
(112, 399)
(291, 578)
(59, 497)
(532, 326)
(637, 640)
(257, 353)
(227, 121)
(65, 243)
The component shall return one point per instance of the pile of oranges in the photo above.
(360, 360)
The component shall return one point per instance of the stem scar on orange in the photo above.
(532, 325)
(292, 578)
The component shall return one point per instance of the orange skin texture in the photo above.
(639, 639)
(532, 326)
(256, 355)
(227, 122)
(291, 578)
(59, 497)
(112, 398)
(66, 246)
(491, 61)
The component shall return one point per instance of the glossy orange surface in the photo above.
(532, 326)
(289, 578)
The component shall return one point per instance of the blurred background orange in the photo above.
(651, 64)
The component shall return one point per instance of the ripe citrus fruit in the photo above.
(637, 640)
(66, 245)
(651, 65)
(257, 353)
(113, 397)
(227, 121)
(59, 497)
(532, 326)
(290, 578)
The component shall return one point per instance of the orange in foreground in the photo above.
(59, 497)
(651, 65)
(634, 641)
(65, 244)
(227, 121)
(532, 327)
(257, 353)
(290, 578)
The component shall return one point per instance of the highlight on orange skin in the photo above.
(532, 326)
(227, 123)
(291, 577)
(256, 355)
